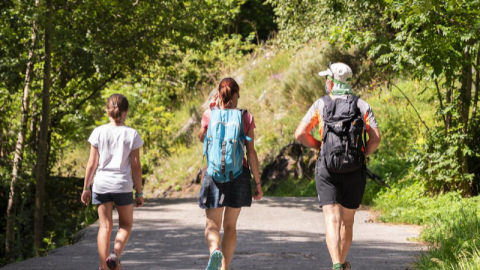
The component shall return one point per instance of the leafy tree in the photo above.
(93, 44)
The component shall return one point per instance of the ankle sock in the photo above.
(337, 266)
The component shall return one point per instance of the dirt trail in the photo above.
(275, 233)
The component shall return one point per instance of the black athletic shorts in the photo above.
(119, 199)
(340, 188)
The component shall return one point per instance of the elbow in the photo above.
(299, 135)
(91, 165)
(378, 139)
(136, 167)
(251, 154)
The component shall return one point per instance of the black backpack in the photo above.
(344, 137)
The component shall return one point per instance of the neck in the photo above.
(117, 124)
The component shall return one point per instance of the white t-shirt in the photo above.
(114, 145)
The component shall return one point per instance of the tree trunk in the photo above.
(42, 144)
(464, 109)
(466, 91)
(17, 159)
(33, 127)
(477, 84)
(442, 108)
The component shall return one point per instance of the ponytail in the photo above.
(227, 88)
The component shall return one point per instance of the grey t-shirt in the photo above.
(314, 114)
(114, 145)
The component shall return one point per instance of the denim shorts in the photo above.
(119, 199)
(236, 193)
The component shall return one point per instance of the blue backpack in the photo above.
(224, 144)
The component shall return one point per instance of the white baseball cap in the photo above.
(341, 75)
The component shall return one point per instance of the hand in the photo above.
(86, 195)
(139, 201)
(258, 192)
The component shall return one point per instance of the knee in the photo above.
(106, 227)
(333, 219)
(211, 226)
(126, 225)
(229, 227)
(348, 223)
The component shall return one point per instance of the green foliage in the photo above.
(453, 231)
(255, 16)
(152, 51)
(437, 162)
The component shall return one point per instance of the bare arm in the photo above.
(136, 169)
(252, 160)
(137, 175)
(91, 166)
(89, 173)
(373, 141)
(201, 134)
(302, 134)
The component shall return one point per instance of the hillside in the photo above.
(277, 86)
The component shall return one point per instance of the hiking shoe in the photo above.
(113, 262)
(215, 260)
(346, 266)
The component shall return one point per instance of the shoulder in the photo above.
(207, 113)
(363, 105)
(318, 103)
(100, 128)
(246, 113)
(131, 130)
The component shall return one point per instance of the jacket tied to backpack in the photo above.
(224, 144)
(344, 135)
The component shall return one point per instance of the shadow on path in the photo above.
(276, 233)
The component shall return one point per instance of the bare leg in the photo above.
(229, 235)
(212, 230)
(125, 222)
(104, 231)
(346, 231)
(332, 213)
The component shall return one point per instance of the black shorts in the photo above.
(119, 199)
(340, 188)
(235, 194)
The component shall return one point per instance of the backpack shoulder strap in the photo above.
(354, 109)
(328, 107)
(244, 111)
(326, 98)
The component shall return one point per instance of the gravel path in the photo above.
(275, 233)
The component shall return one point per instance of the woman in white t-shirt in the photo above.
(114, 166)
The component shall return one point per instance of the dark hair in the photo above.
(116, 105)
(226, 89)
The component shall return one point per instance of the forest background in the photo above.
(416, 62)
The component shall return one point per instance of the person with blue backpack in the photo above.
(226, 131)
(344, 120)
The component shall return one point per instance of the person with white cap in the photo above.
(340, 172)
